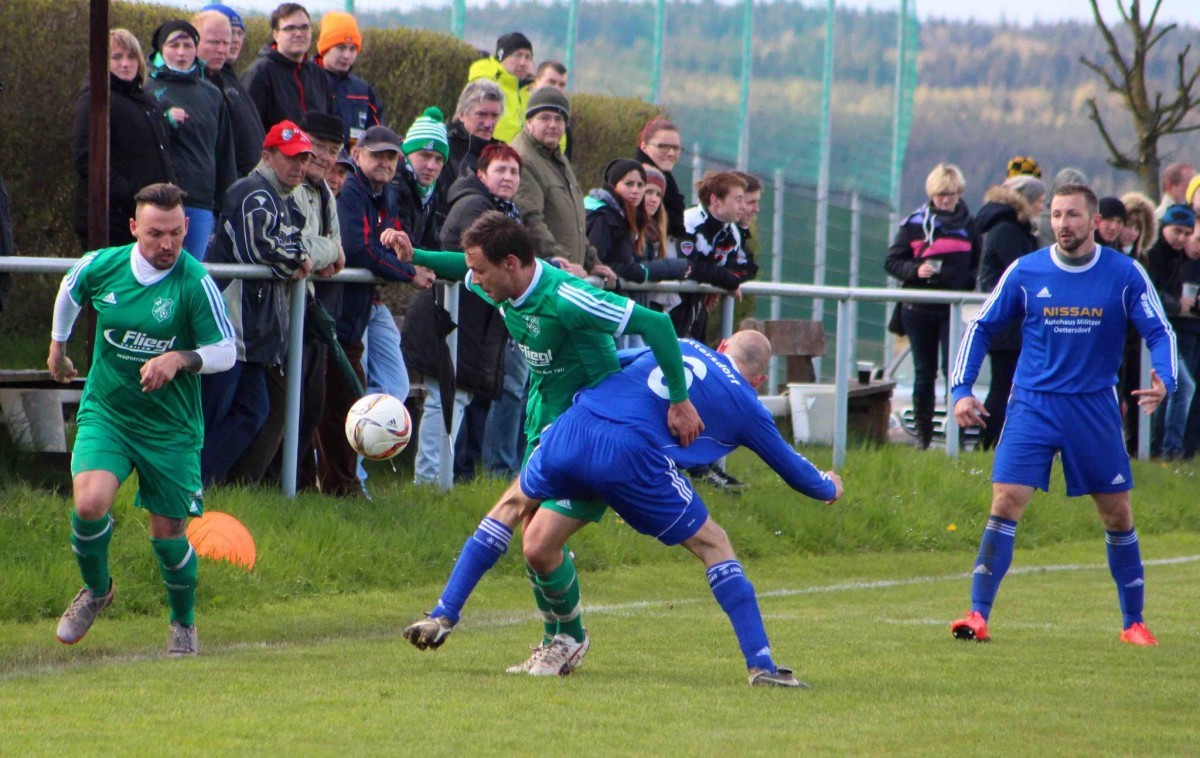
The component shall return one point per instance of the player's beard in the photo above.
(1072, 244)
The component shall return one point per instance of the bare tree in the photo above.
(1153, 118)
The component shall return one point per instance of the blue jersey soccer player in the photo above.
(614, 444)
(1075, 300)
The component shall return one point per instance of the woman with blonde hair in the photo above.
(1140, 226)
(936, 248)
(139, 146)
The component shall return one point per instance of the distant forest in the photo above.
(985, 92)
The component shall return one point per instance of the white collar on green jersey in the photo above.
(145, 273)
(533, 283)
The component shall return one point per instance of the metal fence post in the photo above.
(697, 169)
(841, 402)
(1143, 446)
(727, 305)
(446, 444)
(776, 263)
(855, 233)
(956, 332)
(298, 293)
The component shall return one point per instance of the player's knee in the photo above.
(91, 506)
(541, 554)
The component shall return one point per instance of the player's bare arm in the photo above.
(156, 372)
(1149, 399)
(684, 422)
(61, 367)
(970, 412)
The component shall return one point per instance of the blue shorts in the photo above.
(583, 457)
(1086, 429)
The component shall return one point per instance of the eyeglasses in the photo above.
(667, 148)
(302, 29)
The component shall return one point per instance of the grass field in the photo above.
(304, 653)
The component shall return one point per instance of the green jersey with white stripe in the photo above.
(136, 322)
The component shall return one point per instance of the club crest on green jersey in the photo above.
(532, 323)
(162, 309)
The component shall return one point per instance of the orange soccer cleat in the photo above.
(973, 626)
(1138, 634)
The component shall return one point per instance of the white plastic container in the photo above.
(812, 413)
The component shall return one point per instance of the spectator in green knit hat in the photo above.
(426, 148)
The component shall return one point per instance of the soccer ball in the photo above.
(378, 427)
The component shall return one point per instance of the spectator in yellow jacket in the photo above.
(510, 67)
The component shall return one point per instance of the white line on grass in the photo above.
(509, 618)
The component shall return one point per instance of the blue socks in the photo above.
(995, 556)
(735, 595)
(1125, 563)
(480, 552)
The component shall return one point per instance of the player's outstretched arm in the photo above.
(161, 369)
(447, 264)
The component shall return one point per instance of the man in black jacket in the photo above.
(216, 35)
(260, 223)
(283, 82)
(475, 117)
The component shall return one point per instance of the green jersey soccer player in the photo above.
(160, 320)
(565, 328)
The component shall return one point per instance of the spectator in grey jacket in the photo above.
(260, 223)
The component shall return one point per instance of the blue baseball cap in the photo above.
(1179, 215)
(235, 20)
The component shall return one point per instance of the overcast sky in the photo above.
(1014, 11)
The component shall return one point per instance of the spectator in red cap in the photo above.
(260, 223)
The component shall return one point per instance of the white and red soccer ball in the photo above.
(378, 427)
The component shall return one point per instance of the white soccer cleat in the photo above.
(182, 640)
(535, 655)
(562, 656)
(81, 614)
(782, 678)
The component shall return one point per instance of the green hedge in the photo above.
(43, 62)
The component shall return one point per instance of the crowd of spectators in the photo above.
(942, 246)
(294, 166)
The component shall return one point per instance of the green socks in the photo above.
(549, 620)
(559, 590)
(89, 540)
(179, 567)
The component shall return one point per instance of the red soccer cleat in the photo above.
(1138, 634)
(973, 626)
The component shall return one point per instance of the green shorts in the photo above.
(168, 480)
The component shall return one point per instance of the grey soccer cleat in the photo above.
(562, 656)
(183, 640)
(429, 633)
(81, 614)
(535, 656)
(781, 678)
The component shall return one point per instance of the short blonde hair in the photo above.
(1139, 213)
(124, 39)
(945, 179)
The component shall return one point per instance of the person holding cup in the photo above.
(936, 248)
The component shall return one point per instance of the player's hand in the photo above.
(839, 490)
(970, 412)
(399, 242)
(610, 276)
(156, 372)
(423, 279)
(1149, 400)
(684, 422)
(61, 367)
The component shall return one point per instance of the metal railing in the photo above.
(845, 297)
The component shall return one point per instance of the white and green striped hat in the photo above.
(428, 132)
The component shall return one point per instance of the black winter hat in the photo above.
(163, 33)
(323, 126)
(512, 42)
(1112, 207)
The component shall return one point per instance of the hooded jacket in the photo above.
(481, 331)
(513, 118)
(139, 154)
(551, 203)
(1006, 223)
(283, 89)
(929, 234)
(673, 200)
(709, 244)
(261, 224)
(608, 231)
(465, 149)
(353, 101)
(363, 215)
(248, 132)
(1165, 264)
(202, 146)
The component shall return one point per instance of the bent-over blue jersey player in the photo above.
(610, 445)
(1075, 301)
